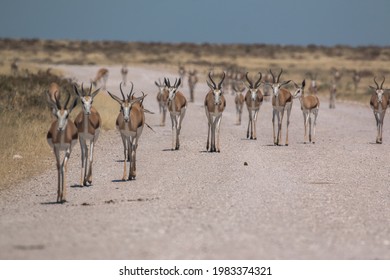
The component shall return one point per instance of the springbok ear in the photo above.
(115, 98)
(178, 83)
(371, 87)
(156, 84)
(303, 83)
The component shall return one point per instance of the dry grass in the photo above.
(24, 117)
(24, 120)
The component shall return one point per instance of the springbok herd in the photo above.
(63, 133)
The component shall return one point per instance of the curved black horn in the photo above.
(67, 101)
(223, 78)
(131, 90)
(273, 77)
(281, 71)
(90, 90)
(249, 81)
(167, 82)
(383, 82)
(259, 80)
(76, 90)
(120, 87)
(211, 80)
(82, 89)
(377, 86)
(57, 102)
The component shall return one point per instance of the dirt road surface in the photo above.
(329, 200)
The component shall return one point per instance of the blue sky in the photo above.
(287, 22)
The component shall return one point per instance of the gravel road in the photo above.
(329, 200)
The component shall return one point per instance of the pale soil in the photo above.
(324, 201)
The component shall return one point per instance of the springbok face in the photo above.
(161, 87)
(125, 109)
(276, 85)
(86, 98)
(172, 89)
(216, 89)
(61, 112)
(127, 102)
(253, 87)
(299, 90)
(87, 104)
(217, 93)
(379, 90)
(62, 118)
(379, 93)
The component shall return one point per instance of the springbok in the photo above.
(162, 99)
(239, 101)
(192, 80)
(214, 104)
(101, 77)
(336, 75)
(62, 136)
(313, 83)
(88, 123)
(379, 103)
(130, 123)
(356, 80)
(253, 100)
(310, 105)
(267, 89)
(182, 73)
(177, 105)
(124, 74)
(281, 101)
(14, 67)
(332, 96)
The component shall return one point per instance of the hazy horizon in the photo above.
(279, 22)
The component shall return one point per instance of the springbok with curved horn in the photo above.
(182, 73)
(162, 99)
(356, 80)
(88, 123)
(62, 136)
(313, 83)
(310, 105)
(130, 123)
(253, 100)
(281, 101)
(14, 67)
(239, 101)
(192, 80)
(214, 104)
(124, 72)
(379, 103)
(177, 105)
(101, 77)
